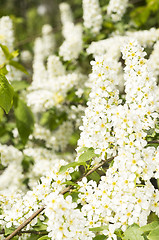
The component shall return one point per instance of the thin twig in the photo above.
(62, 192)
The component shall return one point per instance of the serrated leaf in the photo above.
(87, 155)
(133, 233)
(98, 229)
(18, 66)
(149, 227)
(100, 237)
(24, 120)
(73, 164)
(44, 238)
(6, 94)
(154, 234)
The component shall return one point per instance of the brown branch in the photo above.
(62, 192)
(28, 231)
(25, 223)
(153, 141)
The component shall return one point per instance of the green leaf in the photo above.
(53, 118)
(1, 114)
(98, 229)
(18, 66)
(33, 237)
(140, 15)
(6, 94)
(152, 217)
(154, 234)
(19, 85)
(24, 120)
(100, 237)
(27, 162)
(74, 138)
(94, 176)
(73, 164)
(153, 5)
(133, 233)
(87, 155)
(14, 53)
(3, 70)
(5, 51)
(8, 231)
(74, 196)
(44, 237)
(39, 226)
(149, 227)
(83, 149)
(7, 54)
(70, 183)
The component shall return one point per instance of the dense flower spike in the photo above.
(6, 33)
(116, 9)
(66, 13)
(103, 98)
(72, 46)
(92, 15)
(121, 197)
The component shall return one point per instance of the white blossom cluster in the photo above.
(145, 37)
(43, 160)
(116, 9)
(69, 222)
(103, 98)
(113, 126)
(125, 194)
(50, 86)
(92, 15)
(45, 44)
(12, 175)
(112, 45)
(56, 140)
(6, 33)
(66, 14)
(18, 206)
(7, 39)
(72, 45)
